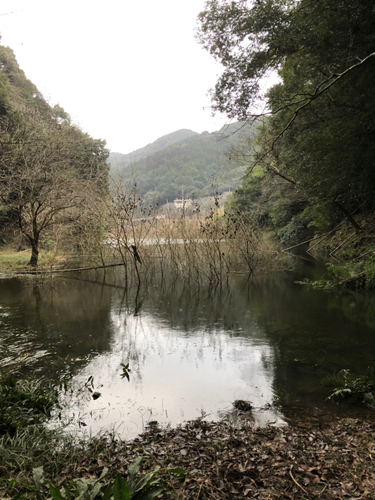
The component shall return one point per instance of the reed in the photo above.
(196, 248)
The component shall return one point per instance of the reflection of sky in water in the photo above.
(189, 350)
(175, 376)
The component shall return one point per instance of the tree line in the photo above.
(315, 145)
(52, 175)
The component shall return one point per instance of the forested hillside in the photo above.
(196, 166)
(119, 161)
(313, 163)
(52, 175)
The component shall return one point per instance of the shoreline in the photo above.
(334, 461)
(311, 459)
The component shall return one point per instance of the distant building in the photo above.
(182, 203)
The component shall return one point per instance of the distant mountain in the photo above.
(197, 165)
(119, 161)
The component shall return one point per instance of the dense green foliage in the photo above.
(197, 166)
(50, 171)
(120, 161)
(16, 91)
(319, 136)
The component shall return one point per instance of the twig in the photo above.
(341, 244)
(323, 490)
(211, 493)
(364, 254)
(303, 243)
(333, 230)
(352, 279)
(299, 486)
(199, 492)
(322, 87)
(67, 270)
(324, 237)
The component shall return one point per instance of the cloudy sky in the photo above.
(126, 71)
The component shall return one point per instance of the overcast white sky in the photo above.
(126, 71)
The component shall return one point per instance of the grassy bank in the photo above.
(13, 260)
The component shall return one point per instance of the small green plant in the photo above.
(344, 272)
(138, 486)
(358, 388)
(47, 242)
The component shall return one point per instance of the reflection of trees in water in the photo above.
(125, 343)
(140, 316)
(314, 333)
(203, 368)
(149, 322)
(186, 308)
(310, 332)
(68, 319)
(193, 328)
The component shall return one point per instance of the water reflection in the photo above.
(191, 351)
(50, 326)
(176, 375)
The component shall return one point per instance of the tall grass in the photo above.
(25, 405)
(26, 441)
(196, 249)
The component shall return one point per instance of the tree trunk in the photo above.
(34, 252)
(349, 217)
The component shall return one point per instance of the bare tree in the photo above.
(48, 172)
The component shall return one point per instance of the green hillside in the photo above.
(119, 161)
(195, 166)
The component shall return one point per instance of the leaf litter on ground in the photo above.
(217, 460)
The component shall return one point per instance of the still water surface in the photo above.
(191, 351)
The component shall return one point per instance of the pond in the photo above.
(190, 351)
